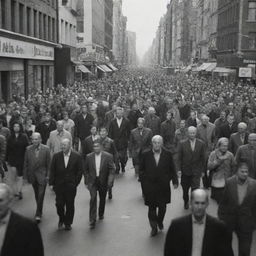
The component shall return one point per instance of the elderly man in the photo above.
(247, 153)
(198, 234)
(19, 236)
(238, 207)
(227, 129)
(140, 140)
(239, 138)
(152, 121)
(191, 163)
(65, 175)
(156, 171)
(36, 170)
(56, 136)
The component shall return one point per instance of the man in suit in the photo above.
(36, 170)
(140, 141)
(152, 121)
(83, 124)
(99, 177)
(238, 207)
(156, 171)
(65, 175)
(56, 136)
(110, 115)
(191, 163)
(19, 236)
(87, 143)
(227, 129)
(119, 131)
(167, 131)
(134, 115)
(239, 138)
(198, 234)
(247, 153)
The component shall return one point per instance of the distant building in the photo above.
(132, 56)
(65, 57)
(28, 35)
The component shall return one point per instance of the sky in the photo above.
(143, 18)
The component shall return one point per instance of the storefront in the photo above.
(25, 67)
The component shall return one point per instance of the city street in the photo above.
(123, 232)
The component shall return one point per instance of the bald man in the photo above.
(156, 170)
(65, 175)
(18, 236)
(198, 234)
(191, 163)
(247, 153)
(36, 170)
(239, 138)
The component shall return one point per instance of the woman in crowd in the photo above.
(16, 147)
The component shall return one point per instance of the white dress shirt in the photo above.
(66, 158)
(157, 156)
(119, 121)
(193, 144)
(3, 227)
(198, 229)
(97, 163)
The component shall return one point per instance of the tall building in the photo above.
(65, 57)
(109, 26)
(28, 35)
(132, 56)
(236, 33)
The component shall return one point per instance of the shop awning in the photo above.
(204, 66)
(223, 70)
(186, 69)
(112, 66)
(106, 68)
(83, 69)
(211, 67)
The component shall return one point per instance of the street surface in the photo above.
(124, 231)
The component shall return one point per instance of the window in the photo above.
(252, 11)
(49, 28)
(35, 24)
(252, 40)
(13, 15)
(3, 13)
(40, 25)
(29, 32)
(53, 30)
(21, 18)
(44, 27)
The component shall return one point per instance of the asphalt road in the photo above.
(124, 231)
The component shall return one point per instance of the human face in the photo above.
(119, 112)
(103, 133)
(97, 148)
(5, 202)
(193, 115)
(230, 119)
(60, 126)
(242, 173)
(65, 146)
(169, 116)
(241, 129)
(252, 140)
(93, 131)
(157, 145)
(199, 205)
(192, 134)
(84, 109)
(223, 115)
(140, 124)
(16, 128)
(224, 147)
(182, 124)
(36, 140)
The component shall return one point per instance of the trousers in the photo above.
(188, 182)
(39, 191)
(156, 215)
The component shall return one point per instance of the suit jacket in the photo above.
(192, 163)
(2, 149)
(87, 146)
(235, 142)
(153, 122)
(83, 126)
(120, 135)
(216, 242)
(109, 116)
(226, 131)
(107, 170)
(167, 131)
(155, 179)
(242, 216)
(22, 238)
(140, 143)
(36, 169)
(246, 154)
(45, 130)
(66, 176)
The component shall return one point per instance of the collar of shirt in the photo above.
(60, 133)
(157, 153)
(6, 219)
(242, 184)
(200, 222)
(38, 147)
(68, 154)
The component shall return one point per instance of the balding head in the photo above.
(157, 143)
(192, 132)
(36, 138)
(6, 196)
(66, 145)
(151, 110)
(242, 127)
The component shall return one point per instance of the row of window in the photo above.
(229, 16)
(26, 20)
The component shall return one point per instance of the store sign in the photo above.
(18, 49)
(249, 61)
(245, 72)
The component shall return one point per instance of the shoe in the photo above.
(92, 225)
(68, 227)
(110, 196)
(153, 232)
(101, 217)
(60, 224)
(123, 170)
(160, 226)
(186, 206)
(38, 219)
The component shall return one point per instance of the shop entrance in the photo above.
(5, 81)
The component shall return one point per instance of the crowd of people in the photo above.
(172, 127)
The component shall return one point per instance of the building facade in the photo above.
(236, 34)
(28, 35)
(65, 57)
(132, 56)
